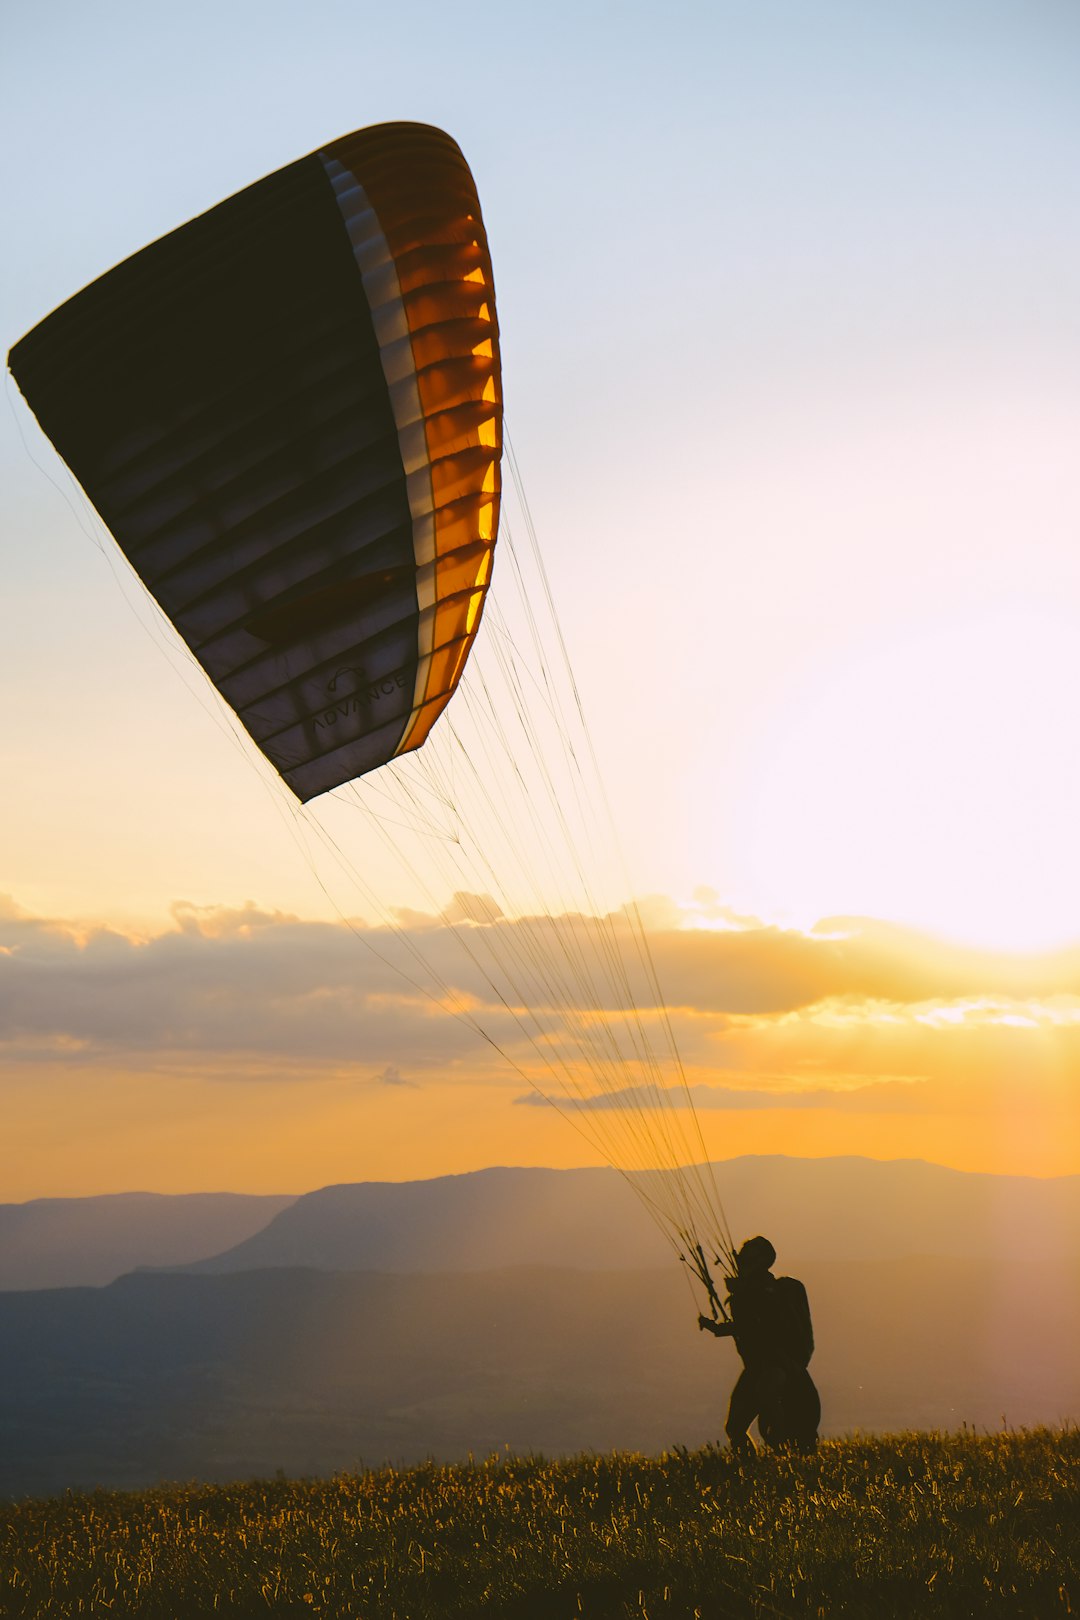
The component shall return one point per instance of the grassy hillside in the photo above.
(905, 1526)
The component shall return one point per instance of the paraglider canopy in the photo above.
(288, 412)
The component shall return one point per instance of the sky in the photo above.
(791, 354)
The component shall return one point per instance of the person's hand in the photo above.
(703, 1322)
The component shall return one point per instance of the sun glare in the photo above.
(933, 780)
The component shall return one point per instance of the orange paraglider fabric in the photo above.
(288, 412)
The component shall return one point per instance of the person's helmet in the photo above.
(759, 1251)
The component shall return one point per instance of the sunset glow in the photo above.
(248, 1049)
(933, 778)
(791, 362)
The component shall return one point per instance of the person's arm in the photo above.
(723, 1330)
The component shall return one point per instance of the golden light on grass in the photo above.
(903, 1524)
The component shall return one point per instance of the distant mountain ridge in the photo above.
(79, 1242)
(539, 1309)
(827, 1209)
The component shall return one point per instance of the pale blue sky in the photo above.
(792, 364)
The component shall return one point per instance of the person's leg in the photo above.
(774, 1417)
(806, 1412)
(742, 1410)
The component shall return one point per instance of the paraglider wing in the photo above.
(288, 412)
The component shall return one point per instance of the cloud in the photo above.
(875, 1096)
(220, 981)
(853, 1016)
(758, 969)
(392, 1076)
(474, 908)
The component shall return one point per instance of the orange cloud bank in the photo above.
(261, 1052)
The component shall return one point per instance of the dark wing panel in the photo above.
(288, 413)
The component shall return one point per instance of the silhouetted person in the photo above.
(770, 1323)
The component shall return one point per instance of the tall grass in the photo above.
(909, 1525)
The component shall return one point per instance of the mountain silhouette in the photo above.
(830, 1209)
(69, 1242)
(531, 1308)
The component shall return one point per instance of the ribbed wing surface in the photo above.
(288, 412)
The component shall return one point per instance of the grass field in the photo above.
(908, 1525)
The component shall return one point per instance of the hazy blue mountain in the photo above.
(839, 1208)
(836, 1208)
(480, 1221)
(65, 1242)
(173, 1376)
